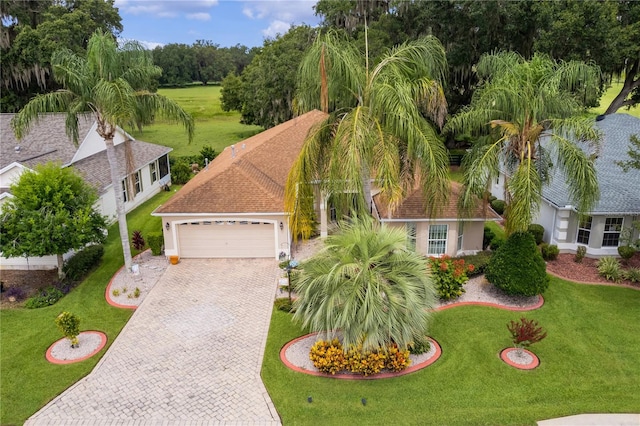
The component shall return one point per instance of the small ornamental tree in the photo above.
(525, 332)
(137, 240)
(69, 325)
(50, 213)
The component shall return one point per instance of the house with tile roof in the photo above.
(445, 233)
(235, 206)
(48, 142)
(619, 204)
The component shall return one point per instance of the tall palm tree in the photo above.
(532, 112)
(110, 84)
(376, 127)
(366, 285)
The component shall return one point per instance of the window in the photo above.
(411, 236)
(437, 244)
(460, 233)
(125, 191)
(611, 235)
(163, 166)
(584, 231)
(153, 169)
(137, 176)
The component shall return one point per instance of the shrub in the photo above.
(449, 275)
(498, 206)
(155, 243)
(549, 251)
(633, 275)
(580, 253)
(496, 243)
(420, 345)
(397, 359)
(626, 252)
(479, 260)
(137, 240)
(46, 297)
(83, 262)
(69, 325)
(16, 292)
(328, 357)
(525, 332)
(367, 363)
(283, 304)
(517, 267)
(537, 231)
(609, 268)
(207, 152)
(181, 172)
(487, 236)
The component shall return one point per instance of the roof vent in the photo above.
(233, 151)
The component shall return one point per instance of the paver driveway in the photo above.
(191, 353)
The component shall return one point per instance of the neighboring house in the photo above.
(48, 142)
(444, 234)
(235, 206)
(619, 204)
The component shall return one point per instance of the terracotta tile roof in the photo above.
(248, 177)
(47, 141)
(413, 207)
(95, 168)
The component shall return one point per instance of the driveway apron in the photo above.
(190, 354)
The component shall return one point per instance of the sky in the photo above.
(224, 22)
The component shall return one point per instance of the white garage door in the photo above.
(226, 239)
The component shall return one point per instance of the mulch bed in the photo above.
(30, 281)
(565, 267)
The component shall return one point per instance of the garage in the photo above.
(227, 238)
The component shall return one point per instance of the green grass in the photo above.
(589, 363)
(609, 95)
(28, 381)
(498, 230)
(214, 127)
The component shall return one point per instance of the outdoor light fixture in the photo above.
(167, 226)
(281, 226)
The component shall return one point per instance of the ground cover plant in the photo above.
(25, 334)
(469, 384)
(214, 127)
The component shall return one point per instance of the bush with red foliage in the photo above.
(526, 332)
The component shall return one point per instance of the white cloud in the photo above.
(167, 8)
(199, 16)
(147, 44)
(293, 11)
(276, 27)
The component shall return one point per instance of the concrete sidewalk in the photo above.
(594, 420)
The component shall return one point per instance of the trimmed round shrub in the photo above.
(549, 251)
(498, 206)
(537, 231)
(517, 268)
(626, 252)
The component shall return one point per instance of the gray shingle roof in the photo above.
(619, 191)
(47, 141)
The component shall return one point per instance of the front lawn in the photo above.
(590, 362)
(28, 381)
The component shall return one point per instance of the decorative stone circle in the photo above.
(89, 344)
(520, 358)
(290, 355)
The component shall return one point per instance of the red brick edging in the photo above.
(531, 366)
(348, 376)
(537, 305)
(51, 359)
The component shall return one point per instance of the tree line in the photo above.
(606, 33)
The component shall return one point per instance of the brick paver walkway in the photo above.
(191, 354)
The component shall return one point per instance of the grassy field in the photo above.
(589, 363)
(609, 95)
(28, 381)
(214, 126)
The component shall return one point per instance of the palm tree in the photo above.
(532, 114)
(110, 84)
(366, 285)
(377, 127)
